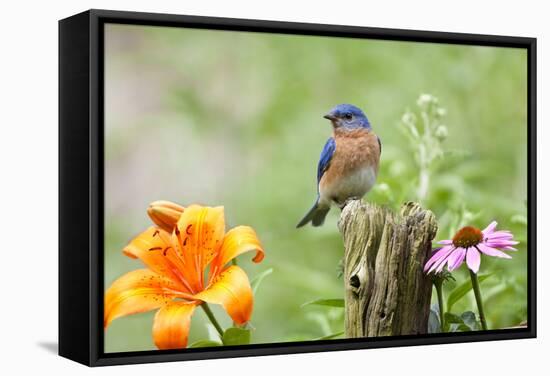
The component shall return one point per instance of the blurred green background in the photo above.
(235, 119)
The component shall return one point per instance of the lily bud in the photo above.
(165, 214)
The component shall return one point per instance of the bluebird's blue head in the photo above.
(347, 116)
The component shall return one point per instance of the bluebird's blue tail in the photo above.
(316, 215)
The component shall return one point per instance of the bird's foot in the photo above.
(348, 200)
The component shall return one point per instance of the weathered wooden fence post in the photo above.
(387, 292)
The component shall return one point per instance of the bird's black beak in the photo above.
(330, 117)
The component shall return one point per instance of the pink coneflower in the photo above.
(468, 244)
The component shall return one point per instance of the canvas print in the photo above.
(275, 188)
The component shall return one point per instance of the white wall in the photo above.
(28, 199)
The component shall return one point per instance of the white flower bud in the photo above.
(441, 132)
(424, 100)
(441, 112)
(408, 117)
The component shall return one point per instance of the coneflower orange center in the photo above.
(467, 237)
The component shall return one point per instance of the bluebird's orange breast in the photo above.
(354, 166)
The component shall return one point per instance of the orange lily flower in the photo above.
(186, 256)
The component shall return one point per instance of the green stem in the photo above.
(439, 290)
(212, 318)
(477, 293)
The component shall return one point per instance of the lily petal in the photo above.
(154, 249)
(473, 259)
(232, 290)
(171, 325)
(137, 291)
(237, 241)
(199, 235)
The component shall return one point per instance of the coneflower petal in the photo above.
(473, 259)
(439, 255)
(456, 259)
(489, 229)
(491, 251)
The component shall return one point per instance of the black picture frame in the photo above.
(81, 185)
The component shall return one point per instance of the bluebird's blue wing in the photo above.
(316, 215)
(326, 156)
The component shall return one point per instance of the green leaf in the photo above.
(330, 336)
(454, 323)
(205, 343)
(464, 323)
(451, 318)
(434, 325)
(469, 319)
(326, 302)
(257, 280)
(458, 328)
(236, 336)
(459, 292)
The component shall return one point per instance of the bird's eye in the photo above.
(348, 116)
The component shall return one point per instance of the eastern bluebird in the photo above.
(349, 162)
